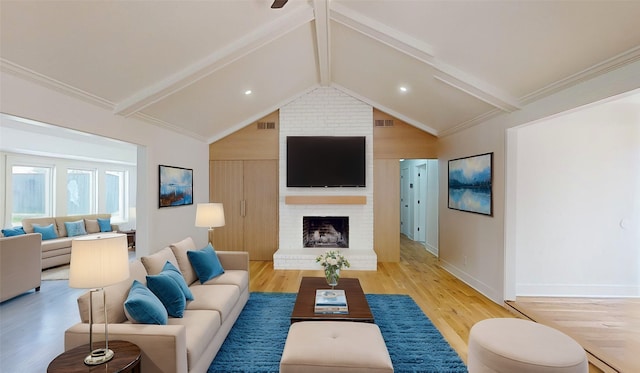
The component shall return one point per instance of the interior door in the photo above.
(260, 208)
(227, 187)
(404, 202)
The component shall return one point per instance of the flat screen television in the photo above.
(326, 161)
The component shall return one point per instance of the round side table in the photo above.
(126, 360)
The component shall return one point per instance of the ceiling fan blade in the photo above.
(277, 4)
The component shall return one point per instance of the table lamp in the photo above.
(210, 215)
(98, 261)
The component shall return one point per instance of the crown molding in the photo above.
(166, 125)
(613, 63)
(56, 85)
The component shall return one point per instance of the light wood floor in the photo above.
(32, 325)
(609, 329)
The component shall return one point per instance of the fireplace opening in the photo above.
(325, 231)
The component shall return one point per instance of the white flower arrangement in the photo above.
(332, 261)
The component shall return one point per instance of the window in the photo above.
(80, 191)
(115, 194)
(31, 192)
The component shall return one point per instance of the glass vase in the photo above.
(332, 276)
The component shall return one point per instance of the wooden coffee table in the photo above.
(305, 301)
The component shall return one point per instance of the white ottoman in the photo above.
(514, 345)
(334, 346)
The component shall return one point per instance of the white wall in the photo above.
(156, 228)
(578, 203)
(480, 250)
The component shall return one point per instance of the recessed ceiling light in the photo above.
(247, 92)
(403, 89)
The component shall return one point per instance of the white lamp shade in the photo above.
(98, 261)
(209, 215)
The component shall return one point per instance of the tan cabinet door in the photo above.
(261, 208)
(226, 186)
(249, 193)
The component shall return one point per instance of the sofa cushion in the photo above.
(206, 263)
(180, 251)
(48, 232)
(221, 298)
(155, 262)
(15, 231)
(173, 272)
(115, 294)
(92, 225)
(235, 277)
(201, 329)
(105, 225)
(75, 228)
(168, 292)
(143, 307)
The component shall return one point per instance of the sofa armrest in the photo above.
(163, 347)
(234, 259)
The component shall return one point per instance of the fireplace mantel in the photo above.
(325, 200)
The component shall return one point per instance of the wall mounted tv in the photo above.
(326, 161)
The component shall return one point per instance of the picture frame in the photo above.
(175, 186)
(470, 186)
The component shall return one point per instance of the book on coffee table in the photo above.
(331, 301)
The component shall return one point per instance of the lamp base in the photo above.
(99, 356)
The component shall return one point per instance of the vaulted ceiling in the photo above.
(187, 65)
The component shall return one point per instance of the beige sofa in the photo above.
(57, 251)
(20, 267)
(186, 344)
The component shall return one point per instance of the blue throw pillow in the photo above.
(75, 228)
(15, 231)
(206, 263)
(105, 224)
(169, 293)
(48, 232)
(173, 272)
(143, 307)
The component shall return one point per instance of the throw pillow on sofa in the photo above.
(75, 228)
(105, 224)
(173, 272)
(143, 307)
(206, 263)
(92, 225)
(15, 231)
(48, 232)
(169, 293)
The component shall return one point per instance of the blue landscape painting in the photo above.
(176, 186)
(470, 184)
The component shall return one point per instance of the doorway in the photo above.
(419, 202)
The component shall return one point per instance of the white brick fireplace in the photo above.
(326, 112)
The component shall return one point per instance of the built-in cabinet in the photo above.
(248, 191)
(243, 175)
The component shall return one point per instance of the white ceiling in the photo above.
(185, 64)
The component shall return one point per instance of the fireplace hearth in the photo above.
(325, 231)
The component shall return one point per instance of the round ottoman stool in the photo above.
(508, 345)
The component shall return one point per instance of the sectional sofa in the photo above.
(186, 344)
(57, 251)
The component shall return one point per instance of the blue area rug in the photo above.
(256, 341)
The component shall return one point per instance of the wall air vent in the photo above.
(266, 125)
(383, 123)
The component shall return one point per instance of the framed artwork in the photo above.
(176, 186)
(471, 184)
